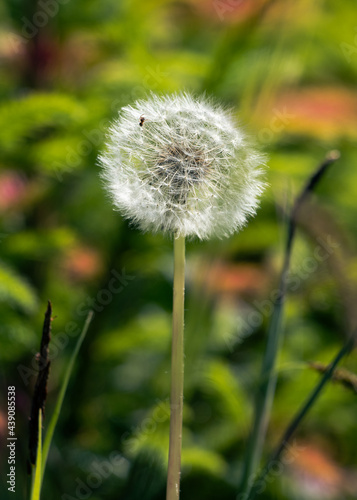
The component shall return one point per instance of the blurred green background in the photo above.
(288, 70)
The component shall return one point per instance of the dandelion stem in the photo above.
(177, 369)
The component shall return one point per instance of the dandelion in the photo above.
(179, 165)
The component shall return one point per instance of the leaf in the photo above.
(40, 244)
(221, 382)
(34, 113)
(203, 460)
(62, 393)
(148, 332)
(15, 291)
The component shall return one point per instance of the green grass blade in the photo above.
(53, 422)
(310, 401)
(266, 389)
(36, 484)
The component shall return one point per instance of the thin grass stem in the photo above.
(268, 377)
(36, 470)
(53, 422)
(310, 401)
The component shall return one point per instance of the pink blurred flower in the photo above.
(12, 190)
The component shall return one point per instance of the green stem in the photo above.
(57, 410)
(346, 349)
(177, 366)
(268, 376)
(36, 470)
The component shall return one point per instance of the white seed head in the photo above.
(178, 165)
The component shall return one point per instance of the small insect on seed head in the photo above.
(141, 121)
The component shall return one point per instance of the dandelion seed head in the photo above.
(185, 169)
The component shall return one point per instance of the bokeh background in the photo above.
(288, 71)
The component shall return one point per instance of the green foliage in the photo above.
(34, 115)
(288, 72)
(15, 291)
(39, 244)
